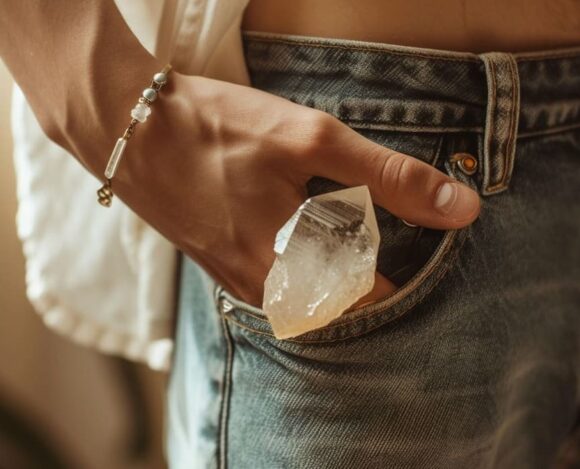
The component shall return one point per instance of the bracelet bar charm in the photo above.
(115, 158)
(139, 115)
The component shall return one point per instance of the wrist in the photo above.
(106, 82)
(98, 110)
(81, 69)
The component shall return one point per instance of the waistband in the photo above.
(504, 96)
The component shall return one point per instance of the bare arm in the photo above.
(80, 67)
(220, 167)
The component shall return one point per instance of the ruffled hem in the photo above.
(155, 353)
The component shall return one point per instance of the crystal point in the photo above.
(326, 256)
(115, 158)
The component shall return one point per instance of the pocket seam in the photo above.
(378, 308)
(367, 318)
(436, 282)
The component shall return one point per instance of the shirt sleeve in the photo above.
(103, 277)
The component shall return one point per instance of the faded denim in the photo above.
(474, 361)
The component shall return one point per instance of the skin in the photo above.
(218, 167)
(461, 25)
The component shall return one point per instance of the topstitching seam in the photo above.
(521, 57)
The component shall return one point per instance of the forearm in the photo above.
(80, 67)
(220, 167)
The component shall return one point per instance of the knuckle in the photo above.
(397, 172)
(319, 128)
(312, 136)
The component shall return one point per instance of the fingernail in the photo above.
(456, 201)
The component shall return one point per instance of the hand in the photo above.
(221, 167)
(218, 168)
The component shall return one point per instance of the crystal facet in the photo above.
(140, 112)
(326, 257)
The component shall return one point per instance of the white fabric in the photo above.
(104, 277)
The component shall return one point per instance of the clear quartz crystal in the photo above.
(115, 158)
(326, 257)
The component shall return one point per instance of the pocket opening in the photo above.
(365, 318)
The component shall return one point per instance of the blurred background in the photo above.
(61, 405)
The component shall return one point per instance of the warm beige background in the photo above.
(74, 395)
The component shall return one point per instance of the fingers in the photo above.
(383, 287)
(408, 187)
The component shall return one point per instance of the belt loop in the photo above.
(501, 123)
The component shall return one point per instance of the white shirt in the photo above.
(104, 277)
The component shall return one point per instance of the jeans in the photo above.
(474, 362)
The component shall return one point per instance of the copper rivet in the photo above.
(467, 163)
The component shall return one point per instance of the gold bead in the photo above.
(105, 202)
(105, 195)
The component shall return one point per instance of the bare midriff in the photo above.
(459, 25)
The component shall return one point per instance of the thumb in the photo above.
(381, 288)
(407, 187)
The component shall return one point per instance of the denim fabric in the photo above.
(474, 362)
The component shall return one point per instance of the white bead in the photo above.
(160, 78)
(140, 112)
(150, 94)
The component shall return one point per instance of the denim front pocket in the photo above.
(423, 279)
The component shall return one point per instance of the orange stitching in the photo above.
(418, 281)
(382, 124)
(243, 326)
(407, 127)
(426, 273)
(436, 281)
(511, 130)
(249, 313)
(225, 388)
(360, 48)
(366, 331)
(491, 123)
(380, 310)
(574, 52)
(508, 157)
(549, 131)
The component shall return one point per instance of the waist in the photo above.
(375, 85)
(469, 25)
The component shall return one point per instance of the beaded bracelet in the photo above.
(139, 114)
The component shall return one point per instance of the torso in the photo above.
(461, 25)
